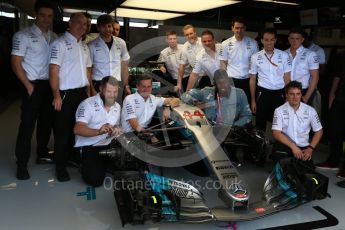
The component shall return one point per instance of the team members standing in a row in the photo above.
(305, 64)
(272, 67)
(109, 56)
(171, 57)
(235, 55)
(189, 51)
(30, 59)
(207, 61)
(69, 81)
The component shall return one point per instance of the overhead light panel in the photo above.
(186, 6)
(278, 2)
(145, 14)
(71, 11)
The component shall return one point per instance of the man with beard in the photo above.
(225, 105)
(222, 103)
(97, 118)
(109, 56)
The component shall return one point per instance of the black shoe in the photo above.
(22, 173)
(341, 183)
(62, 175)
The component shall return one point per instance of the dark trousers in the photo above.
(64, 123)
(35, 107)
(184, 82)
(281, 151)
(267, 101)
(244, 85)
(309, 102)
(336, 132)
(93, 165)
(120, 96)
(204, 81)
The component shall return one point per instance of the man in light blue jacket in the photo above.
(225, 105)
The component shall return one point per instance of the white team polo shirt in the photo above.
(296, 124)
(206, 63)
(134, 106)
(270, 69)
(171, 57)
(107, 62)
(319, 51)
(189, 52)
(92, 112)
(237, 54)
(73, 57)
(304, 61)
(33, 46)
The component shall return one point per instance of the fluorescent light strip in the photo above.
(131, 24)
(7, 15)
(145, 14)
(69, 10)
(278, 2)
(138, 24)
(187, 6)
(154, 27)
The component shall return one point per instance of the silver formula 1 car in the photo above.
(143, 194)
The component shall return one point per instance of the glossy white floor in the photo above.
(44, 203)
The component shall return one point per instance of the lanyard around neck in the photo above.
(270, 59)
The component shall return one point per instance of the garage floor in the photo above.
(44, 203)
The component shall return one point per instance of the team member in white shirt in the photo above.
(139, 108)
(305, 64)
(109, 55)
(273, 69)
(97, 118)
(292, 123)
(69, 60)
(88, 37)
(116, 28)
(30, 56)
(171, 57)
(320, 52)
(207, 60)
(235, 55)
(189, 51)
(322, 86)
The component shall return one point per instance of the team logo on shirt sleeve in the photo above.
(54, 53)
(317, 119)
(81, 112)
(275, 120)
(16, 43)
(129, 109)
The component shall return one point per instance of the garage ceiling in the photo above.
(256, 12)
